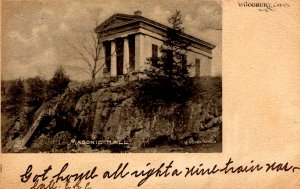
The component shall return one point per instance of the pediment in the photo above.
(114, 21)
(118, 21)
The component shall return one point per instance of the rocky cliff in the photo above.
(106, 112)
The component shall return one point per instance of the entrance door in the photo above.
(197, 67)
(120, 54)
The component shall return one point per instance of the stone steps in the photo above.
(33, 128)
(45, 112)
(51, 111)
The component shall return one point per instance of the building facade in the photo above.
(128, 40)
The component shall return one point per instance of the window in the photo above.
(169, 62)
(184, 63)
(197, 66)
(154, 50)
(154, 53)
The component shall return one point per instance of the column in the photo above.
(113, 60)
(102, 60)
(139, 52)
(125, 56)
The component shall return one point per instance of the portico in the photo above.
(128, 40)
(123, 54)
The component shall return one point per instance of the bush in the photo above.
(154, 93)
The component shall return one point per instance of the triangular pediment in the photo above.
(114, 21)
(117, 21)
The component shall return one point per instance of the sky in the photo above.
(36, 35)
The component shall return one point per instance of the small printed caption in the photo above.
(262, 6)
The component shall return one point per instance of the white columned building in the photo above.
(128, 41)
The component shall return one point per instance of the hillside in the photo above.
(105, 114)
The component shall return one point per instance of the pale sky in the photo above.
(34, 34)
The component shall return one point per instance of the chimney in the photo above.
(138, 13)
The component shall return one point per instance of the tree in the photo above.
(59, 82)
(89, 54)
(167, 78)
(88, 51)
(16, 93)
(36, 92)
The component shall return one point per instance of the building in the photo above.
(128, 41)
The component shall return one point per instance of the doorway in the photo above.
(197, 67)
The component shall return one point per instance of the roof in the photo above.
(119, 20)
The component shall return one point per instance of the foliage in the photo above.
(15, 95)
(36, 91)
(4, 88)
(167, 78)
(59, 82)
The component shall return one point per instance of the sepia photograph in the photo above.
(111, 76)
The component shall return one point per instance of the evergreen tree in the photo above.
(36, 93)
(59, 82)
(167, 78)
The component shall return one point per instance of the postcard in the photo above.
(150, 94)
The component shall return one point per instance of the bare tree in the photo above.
(89, 49)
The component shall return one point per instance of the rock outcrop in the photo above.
(106, 112)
